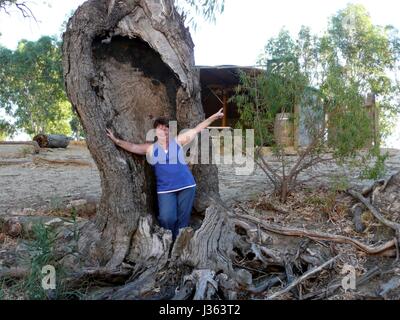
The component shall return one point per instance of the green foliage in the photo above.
(207, 8)
(365, 51)
(191, 10)
(353, 59)
(32, 89)
(339, 183)
(254, 108)
(6, 129)
(42, 254)
(278, 87)
(329, 75)
(31, 86)
(349, 126)
(76, 127)
(377, 169)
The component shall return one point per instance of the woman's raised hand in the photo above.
(218, 115)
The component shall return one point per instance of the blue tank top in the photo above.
(171, 170)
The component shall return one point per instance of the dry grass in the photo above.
(7, 242)
(25, 151)
(320, 207)
(78, 143)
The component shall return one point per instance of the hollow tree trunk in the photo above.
(126, 63)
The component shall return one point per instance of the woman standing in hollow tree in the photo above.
(175, 183)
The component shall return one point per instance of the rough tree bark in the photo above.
(125, 63)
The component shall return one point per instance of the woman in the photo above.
(175, 183)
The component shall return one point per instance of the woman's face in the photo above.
(162, 132)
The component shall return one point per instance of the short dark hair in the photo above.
(161, 122)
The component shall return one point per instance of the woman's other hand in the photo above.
(111, 136)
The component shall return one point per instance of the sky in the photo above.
(238, 36)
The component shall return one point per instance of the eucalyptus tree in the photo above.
(328, 75)
(32, 89)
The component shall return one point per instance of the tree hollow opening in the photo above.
(133, 79)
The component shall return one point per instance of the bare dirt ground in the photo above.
(50, 179)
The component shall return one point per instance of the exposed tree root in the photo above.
(333, 238)
(295, 232)
(393, 225)
(302, 278)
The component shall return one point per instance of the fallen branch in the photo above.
(393, 225)
(326, 293)
(265, 285)
(302, 278)
(376, 250)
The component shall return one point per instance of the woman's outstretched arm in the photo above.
(189, 135)
(140, 149)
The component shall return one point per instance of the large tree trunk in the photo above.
(125, 63)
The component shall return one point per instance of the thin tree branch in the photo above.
(304, 277)
(393, 225)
